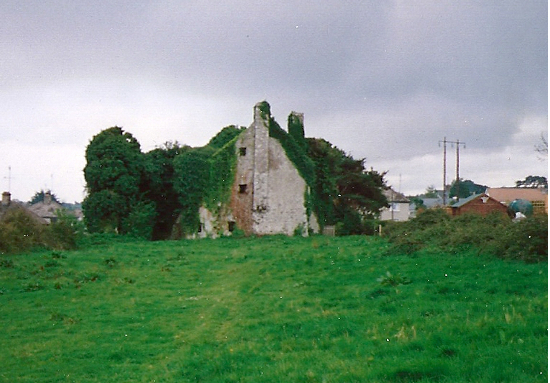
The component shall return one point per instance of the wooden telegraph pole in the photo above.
(444, 167)
(458, 143)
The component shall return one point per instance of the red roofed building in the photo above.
(478, 204)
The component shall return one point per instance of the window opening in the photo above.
(242, 188)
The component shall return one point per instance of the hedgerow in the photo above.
(19, 233)
(495, 234)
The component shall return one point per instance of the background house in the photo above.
(47, 209)
(478, 204)
(537, 196)
(8, 206)
(398, 209)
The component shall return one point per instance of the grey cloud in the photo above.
(383, 80)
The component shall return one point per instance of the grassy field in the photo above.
(272, 309)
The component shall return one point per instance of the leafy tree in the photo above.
(431, 192)
(533, 182)
(39, 197)
(418, 202)
(114, 177)
(159, 187)
(467, 188)
(141, 220)
(346, 193)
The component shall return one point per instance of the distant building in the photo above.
(478, 204)
(268, 195)
(47, 209)
(537, 196)
(8, 206)
(398, 209)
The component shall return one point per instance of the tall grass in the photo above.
(271, 309)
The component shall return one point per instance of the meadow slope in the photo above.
(272, 309)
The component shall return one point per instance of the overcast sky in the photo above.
(381, 80)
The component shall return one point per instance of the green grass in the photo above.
(271, 309)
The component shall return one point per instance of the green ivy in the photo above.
(296, 130)
(204, 177)
(192, 172)
(222, 166)
(298, 156)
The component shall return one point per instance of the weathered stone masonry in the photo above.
(268, 194)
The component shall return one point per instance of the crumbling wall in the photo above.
(268, 195)
(242, 193)
(285, 209)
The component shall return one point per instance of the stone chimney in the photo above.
(260, 126)
(6, 198)
(47, 198)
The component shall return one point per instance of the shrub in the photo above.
(19, 232)
(526, 240)
(494, 234)
(141, 220)
(63, 234)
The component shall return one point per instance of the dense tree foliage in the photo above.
(347, 194)
(21, 232)
(114, 175)
(39, 197)
(495, 234)
(466, 188)
(431, 192)
(144, 194)
(533, 182)
(159, 186)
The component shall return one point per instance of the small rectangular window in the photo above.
(242, 188)
(231, 226)
(242, 151)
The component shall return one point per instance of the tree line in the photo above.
(156, 195)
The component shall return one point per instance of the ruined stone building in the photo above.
(268, 195)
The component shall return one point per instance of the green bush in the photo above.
(19, 232)
(526, 240)
(64, 234)
(140, 221)
(494, 234)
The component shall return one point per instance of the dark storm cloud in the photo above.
(382, 80)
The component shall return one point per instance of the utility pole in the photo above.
(458, 143)
(444, 167)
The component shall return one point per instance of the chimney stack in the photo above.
(6, 198)
(47, 198)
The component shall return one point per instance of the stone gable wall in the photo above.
(268, 193)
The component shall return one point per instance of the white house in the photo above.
(399, 207)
